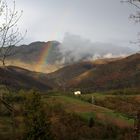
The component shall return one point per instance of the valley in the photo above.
(106, 109)
(69, 70)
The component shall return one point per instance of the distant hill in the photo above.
(66, 52)
(63, 75)
(53, 54)
(76, 48)
(124, 73)
(87, 76)
(31, 53)
(19, 78)
(31, 56)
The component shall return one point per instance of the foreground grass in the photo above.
(87, 110)
(127, 105)
(70, 104)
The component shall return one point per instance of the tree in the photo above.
(135, 3)
(135, 16)
(137, 126)
(9, 31)
(37, 127)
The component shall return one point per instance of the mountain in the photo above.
(50, 56)
(87, 76)
(63, 75)
(19, 78)
(66, 52)
(37, 56)
(124, 73)
(31, 53)
(76, 48)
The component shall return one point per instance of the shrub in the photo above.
(37, 127)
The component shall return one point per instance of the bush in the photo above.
(37, 127)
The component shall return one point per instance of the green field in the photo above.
(105, 112)
(88, 110)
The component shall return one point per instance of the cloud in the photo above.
(50, 19)
(76, 48)
(110, 55)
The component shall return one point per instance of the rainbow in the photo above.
(42, 60)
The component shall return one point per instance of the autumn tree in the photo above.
(9, 31)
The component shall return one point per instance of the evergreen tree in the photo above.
(36, 125)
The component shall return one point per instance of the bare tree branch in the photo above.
(9, 32)
(136, 16)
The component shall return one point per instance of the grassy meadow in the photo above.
(108, 117)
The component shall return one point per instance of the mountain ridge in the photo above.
(20, 78)
(60, 54)
(117, 74)
(86, 76)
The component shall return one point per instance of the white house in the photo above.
(77, 92)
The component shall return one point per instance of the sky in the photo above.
(97, 20)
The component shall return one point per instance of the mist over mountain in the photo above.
(91, 77)
(76, 48)
(72, 49)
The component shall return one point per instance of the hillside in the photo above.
(124, 73)
(37, 56)
(19, 78)
(87, 76)
(63, 75)
(49, 56)
(56, 52)
(32, 52)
